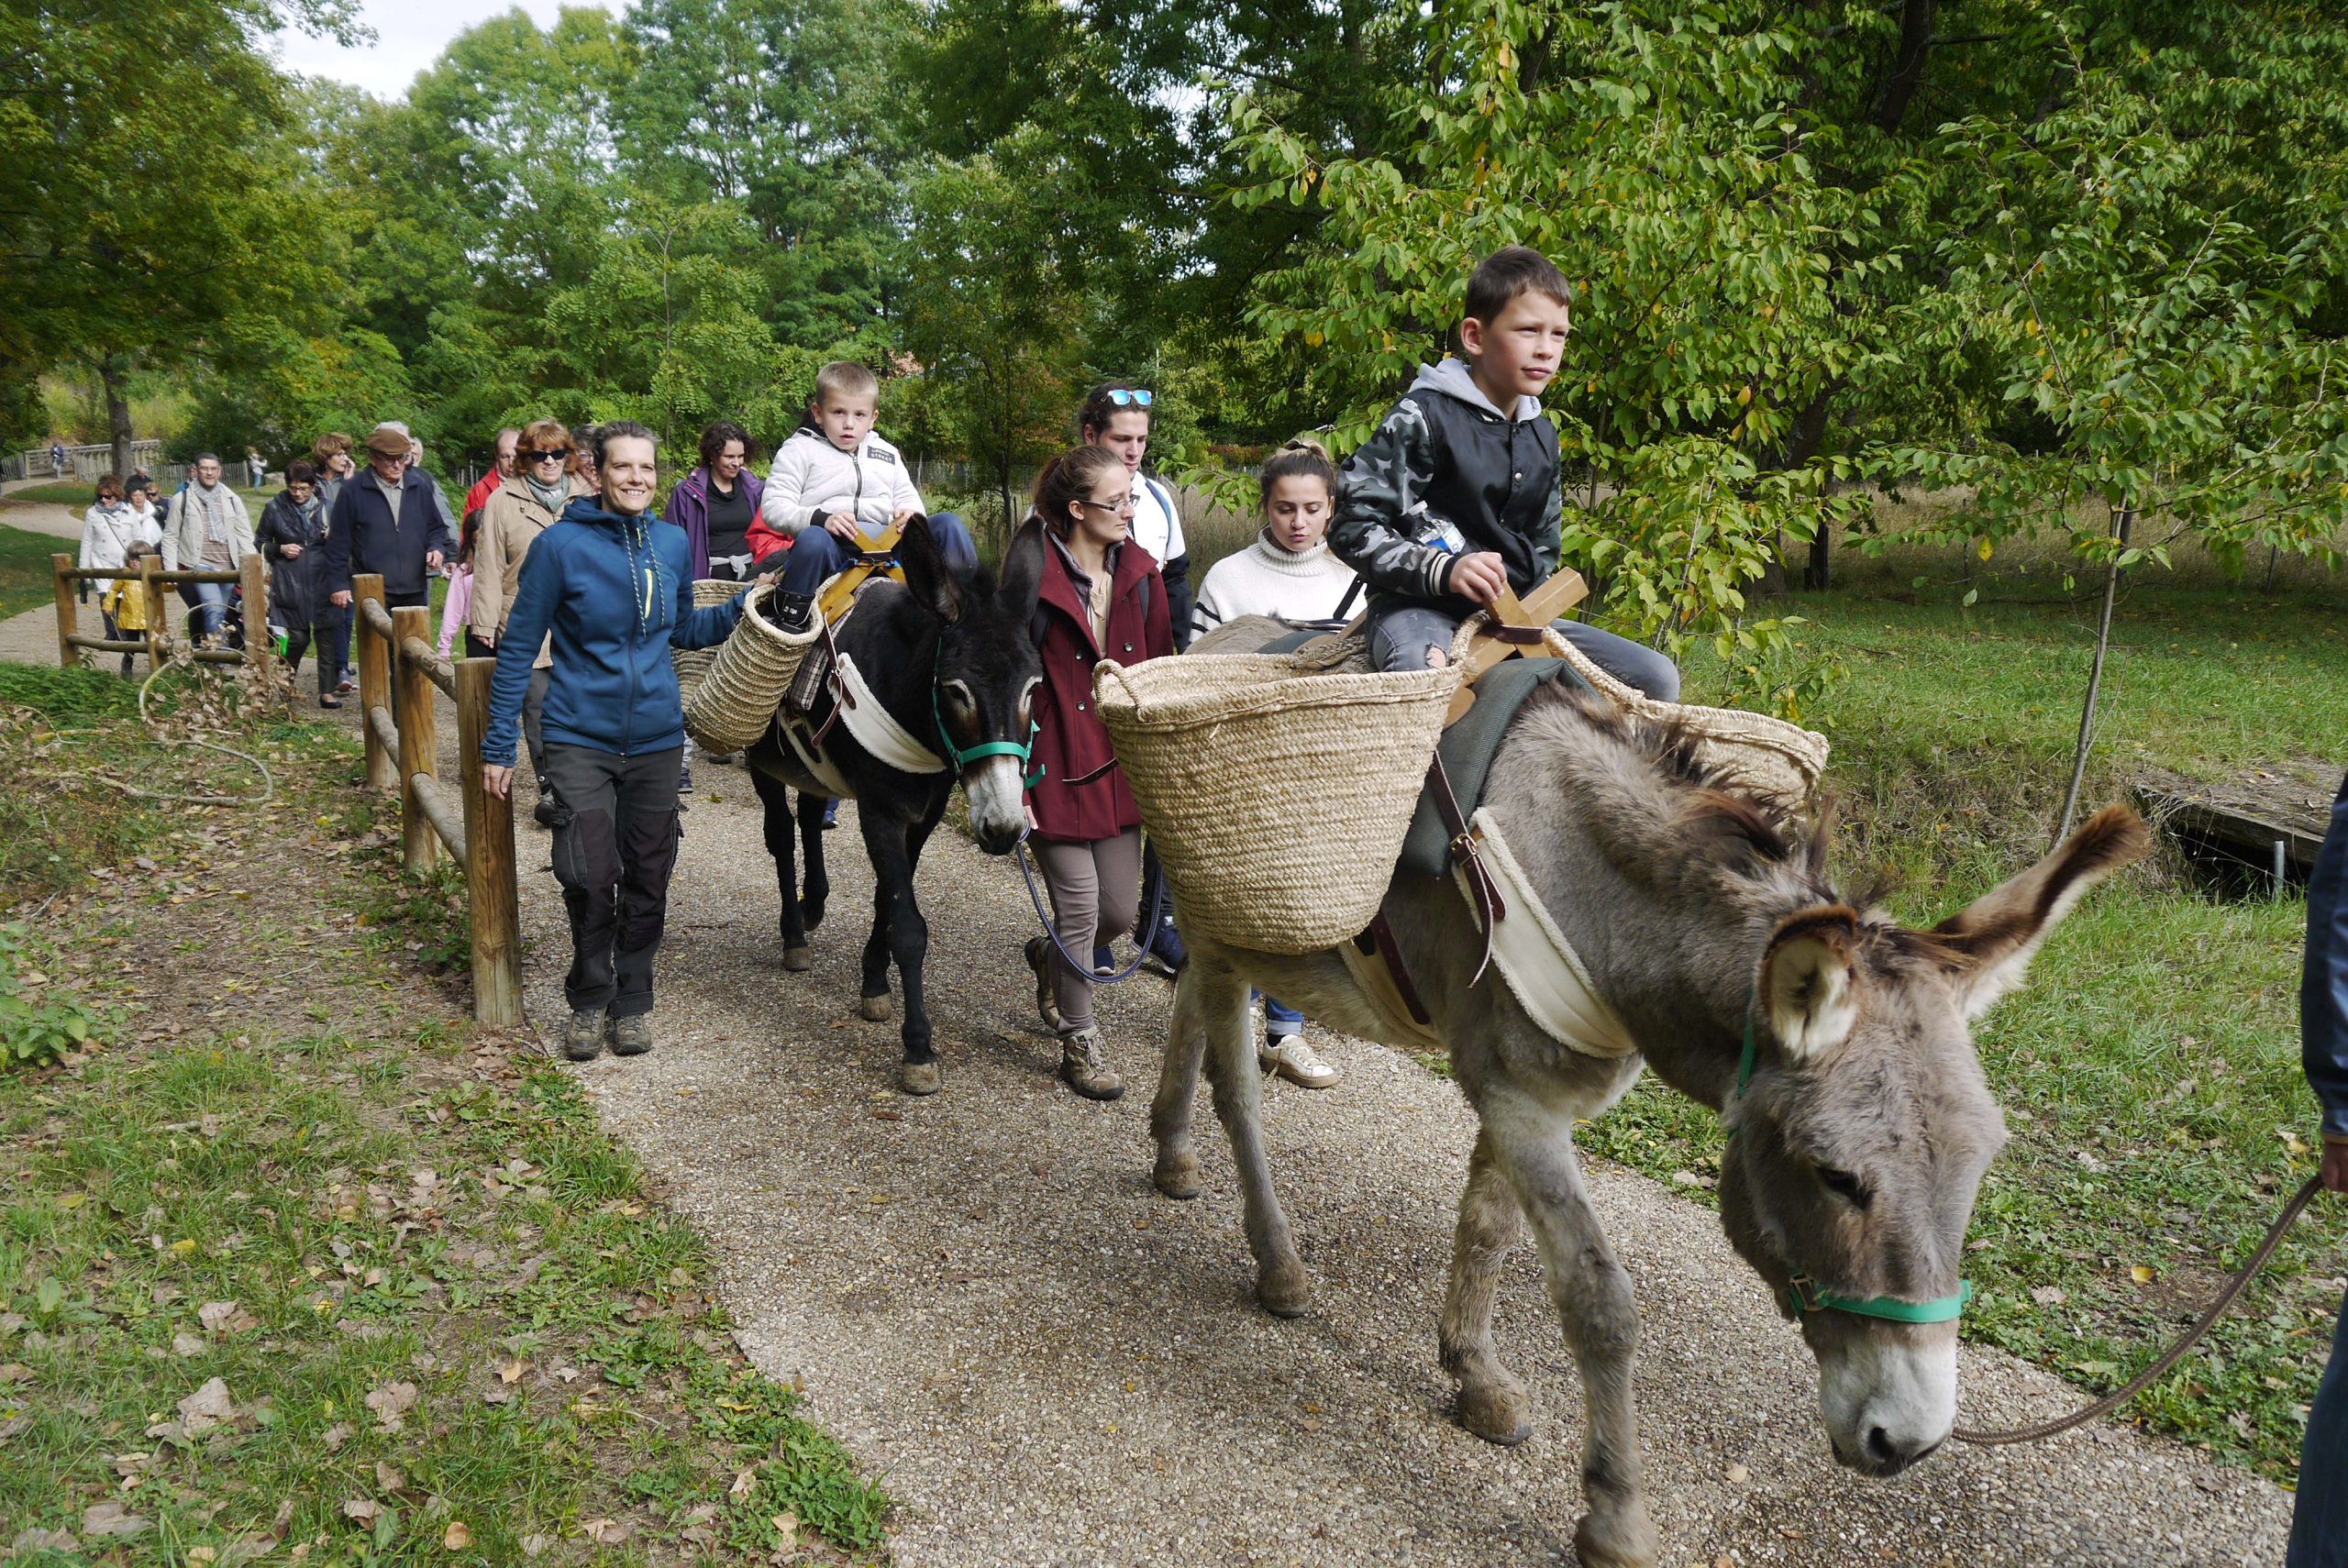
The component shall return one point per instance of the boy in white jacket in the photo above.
(838, 484)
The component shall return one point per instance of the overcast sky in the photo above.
(409, 35)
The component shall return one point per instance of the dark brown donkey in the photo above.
(1703, 918)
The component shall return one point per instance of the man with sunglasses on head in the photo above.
(513, 515)
(1120, 417)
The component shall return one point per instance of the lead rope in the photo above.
(1084, 966)
(2171, 1356)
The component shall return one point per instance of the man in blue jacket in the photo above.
(611, 582)
(386, 521)
(2319, 1519)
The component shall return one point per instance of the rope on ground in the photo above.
(182, 657)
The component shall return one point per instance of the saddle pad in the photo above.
(1540, 966)
(1467, 748)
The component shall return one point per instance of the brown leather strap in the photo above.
(840, 700)
(1490, 908)
(1390, 952)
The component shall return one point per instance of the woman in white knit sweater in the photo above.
(1288, 573)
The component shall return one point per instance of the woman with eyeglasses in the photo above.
(1103, 597)
(516, 513)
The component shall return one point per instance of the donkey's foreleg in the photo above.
(1492, 1401)
(1280, 1282)
(774, 801)
(1535, 1147)
(1177, 1174)
(817, 888)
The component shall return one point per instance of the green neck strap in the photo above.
(1801, 1290)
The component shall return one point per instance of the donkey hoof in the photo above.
(920, 1077)
(1284, 1291)
(873, 1010)
(797, 959)
(1177, 1175)
(1494, 1413)
(1621, 1538)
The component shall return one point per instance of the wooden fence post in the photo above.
(253, 585)
(67, 618)
(490, 892)
(374, 680)
(412, 710)
(159, 635)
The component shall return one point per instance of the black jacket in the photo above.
(363, 535)
(297, 593)
(1445, 454)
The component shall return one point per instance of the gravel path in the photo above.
(1049, 1364)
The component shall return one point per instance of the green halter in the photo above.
(1803, 1290)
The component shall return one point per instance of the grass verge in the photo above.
(293, 1262)
(26, 582)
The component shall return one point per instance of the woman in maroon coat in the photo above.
(1101, 598)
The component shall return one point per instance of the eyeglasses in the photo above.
(1122, 503)
(557, 455)
(1137, 397)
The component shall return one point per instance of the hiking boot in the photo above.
(1086, 1070)
(583, 1038)
(632, 1035)
(1292, 1058)
(1039, 961)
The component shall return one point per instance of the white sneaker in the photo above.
(1292, 1059)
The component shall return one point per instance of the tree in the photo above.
(147, 187)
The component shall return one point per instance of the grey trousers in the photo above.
(614, 847)
(1400, 639)
(1094, 888)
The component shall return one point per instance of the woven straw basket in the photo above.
(1766, 754)
(736, 698)
(692, 664)
(1213, 748)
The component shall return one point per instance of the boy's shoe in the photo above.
(583, 1037)
(831, 815)
(1086, 1069)
(684, 780)
(1039, 962)
(1165, 945)
(344, 686)
(1292, 1058)
(632, 1035)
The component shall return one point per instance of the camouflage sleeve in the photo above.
(1553, 527)
(1381, 506)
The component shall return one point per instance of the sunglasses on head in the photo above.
(555, 456)
(1137, 397)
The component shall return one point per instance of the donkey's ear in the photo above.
(927, 577)
(1810, 982)
(1023, 572)
(1986, 947)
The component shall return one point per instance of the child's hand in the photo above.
(1480, 578)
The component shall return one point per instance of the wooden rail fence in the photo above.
(398, 673)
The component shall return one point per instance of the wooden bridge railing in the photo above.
(398, 675)
(252, 585)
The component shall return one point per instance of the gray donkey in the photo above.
(1860, 1122)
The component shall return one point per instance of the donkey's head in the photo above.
(987, 673)
(1862, 1125)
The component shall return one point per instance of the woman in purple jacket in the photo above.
(716, 504)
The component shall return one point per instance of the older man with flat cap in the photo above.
(386, 521)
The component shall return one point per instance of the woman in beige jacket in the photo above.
(511, 519)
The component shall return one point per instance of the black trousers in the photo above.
(614, 847)
(298, 640)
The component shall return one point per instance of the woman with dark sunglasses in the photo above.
(513, 517)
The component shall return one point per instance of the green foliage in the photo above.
(39, 1023)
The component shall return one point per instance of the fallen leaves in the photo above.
(456, 1538)
(207, 1407)
(605, 1532)
(335, 1436)
(391, 1402)
(110, 1520)
(224, 1317)
(362, 1510)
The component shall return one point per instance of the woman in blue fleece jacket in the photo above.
(611, 582)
